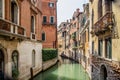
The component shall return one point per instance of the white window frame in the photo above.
(51, 4)
(18, 12)
(53, 19)
(46, 18)
(33, 33)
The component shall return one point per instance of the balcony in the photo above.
(114, 65)
(7, 28)
(48, 23)
(103, 24)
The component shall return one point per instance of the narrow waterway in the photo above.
(64, 70)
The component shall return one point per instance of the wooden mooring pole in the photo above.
(31, 72)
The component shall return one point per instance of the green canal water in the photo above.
(64, 70)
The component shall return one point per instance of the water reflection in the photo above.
(64, 70)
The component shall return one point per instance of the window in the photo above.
(84, 37)
(15, 58)
(51, 4)
(92, 47)
(51, 19)
(64, 24)
(1, 8)
(43, 36)
(84, 20)
(88, 34)
(92, 18)
(100, 47)
(62, 34)
(108, 6)
(32, 24)
(100, 9)
(33, 58)
(14, 12)
(108, 48)
(44, 19)
(74, 24)
(73, 18)
(1, 62)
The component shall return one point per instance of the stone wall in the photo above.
(24, 49)
(49, 63)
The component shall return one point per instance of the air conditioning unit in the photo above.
(33, 37)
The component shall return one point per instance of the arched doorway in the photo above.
(103, 73)
(1, 65)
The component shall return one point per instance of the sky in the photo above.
(66, 8)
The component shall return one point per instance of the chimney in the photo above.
(70, 20)
(84, 6)
(78, 10)
(67, 21)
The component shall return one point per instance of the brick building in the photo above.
(20, 35)
(49, 23)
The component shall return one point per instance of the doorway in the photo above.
(103, 73)
(1, 65)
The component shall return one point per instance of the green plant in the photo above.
(48, 54)
(73, 36)
(15, 73)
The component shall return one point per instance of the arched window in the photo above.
(32, 24)
(33, 58)
(14, 12)
(100, 10)
(43, 36)
(15, 60)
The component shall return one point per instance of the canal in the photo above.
(65, 69)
